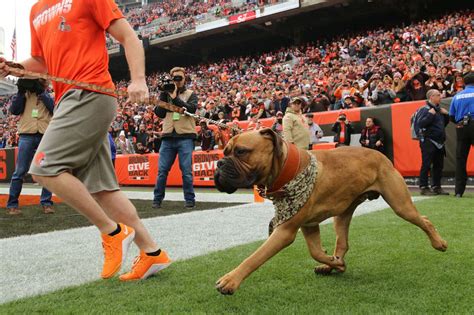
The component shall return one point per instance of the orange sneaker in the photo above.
(145, 266)
(115, 250)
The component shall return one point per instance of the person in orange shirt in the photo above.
(73, 159)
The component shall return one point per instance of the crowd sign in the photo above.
(138, 167)
(204, 166)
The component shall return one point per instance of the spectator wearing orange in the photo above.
(343, 130)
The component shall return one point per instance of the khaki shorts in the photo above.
(76, 141)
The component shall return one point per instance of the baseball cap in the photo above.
(297, 99)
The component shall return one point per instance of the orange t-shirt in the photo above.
(70, 36)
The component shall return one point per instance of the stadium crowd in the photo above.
(377, 67)
(173, 17)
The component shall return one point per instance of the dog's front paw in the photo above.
(337, 264)
(228, 284)
(323, 270)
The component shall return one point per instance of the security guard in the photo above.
(462, 113)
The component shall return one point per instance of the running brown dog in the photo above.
(344, 178)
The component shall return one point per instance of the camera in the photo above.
(166, 84)
(32, 85)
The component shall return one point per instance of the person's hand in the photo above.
(432, 111)
(138, 92)
(174, 94)
(4, 69)
(378, 143)
(443, 111)
(367, 142)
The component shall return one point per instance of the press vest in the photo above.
(185, 124)
(38, 124)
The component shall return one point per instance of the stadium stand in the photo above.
(368, 68)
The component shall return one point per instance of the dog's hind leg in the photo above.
(313, 240)
(396, 194)
(341, 227)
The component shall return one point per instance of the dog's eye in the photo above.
(240, 151)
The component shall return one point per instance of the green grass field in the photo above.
(391, 269)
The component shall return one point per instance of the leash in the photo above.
(19, 69)
(225, 126)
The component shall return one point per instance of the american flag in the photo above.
(13, 45)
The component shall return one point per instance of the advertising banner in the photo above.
(240, 18)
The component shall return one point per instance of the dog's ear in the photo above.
(276, 140)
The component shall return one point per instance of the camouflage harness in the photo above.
(296, 194)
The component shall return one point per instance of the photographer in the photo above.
(343, 129)
(35, 107)
(179, 133)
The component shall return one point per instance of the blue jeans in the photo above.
(170, 147)
(26, 150)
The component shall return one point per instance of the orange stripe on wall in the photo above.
(329, 118)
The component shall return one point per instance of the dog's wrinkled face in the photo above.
(248, 160)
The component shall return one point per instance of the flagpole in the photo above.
(14, 32)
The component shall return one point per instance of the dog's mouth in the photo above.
(228, 178)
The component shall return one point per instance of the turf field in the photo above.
(391, 269)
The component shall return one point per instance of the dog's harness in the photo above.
(290, 192)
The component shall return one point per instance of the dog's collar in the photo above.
(289, 170)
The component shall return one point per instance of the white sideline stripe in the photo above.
(171, 196)
(41, 263)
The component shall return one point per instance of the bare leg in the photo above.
(120, 209)
(313, 240)
(280, 238)
(74, 193)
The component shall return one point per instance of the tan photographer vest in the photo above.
(185, 124)
(35, 118)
